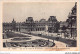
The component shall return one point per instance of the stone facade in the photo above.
(72, 21)
(31, 25)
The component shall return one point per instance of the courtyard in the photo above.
(19, 39)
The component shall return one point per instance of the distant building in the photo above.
(52, 21)
(31, 25)
(9, 26)
(30, 19)
(42, 20)
(64, 23)
(13, 25)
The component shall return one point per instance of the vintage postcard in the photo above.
(39, 26)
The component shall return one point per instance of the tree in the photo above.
(57, 26)
(64, 27)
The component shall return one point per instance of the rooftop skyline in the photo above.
(21, 11)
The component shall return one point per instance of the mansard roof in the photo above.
(42, 20)
(52, 19)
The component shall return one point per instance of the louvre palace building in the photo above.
(51, 25)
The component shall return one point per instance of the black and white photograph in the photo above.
(39, 24)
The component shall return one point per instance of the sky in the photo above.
(20, 11)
